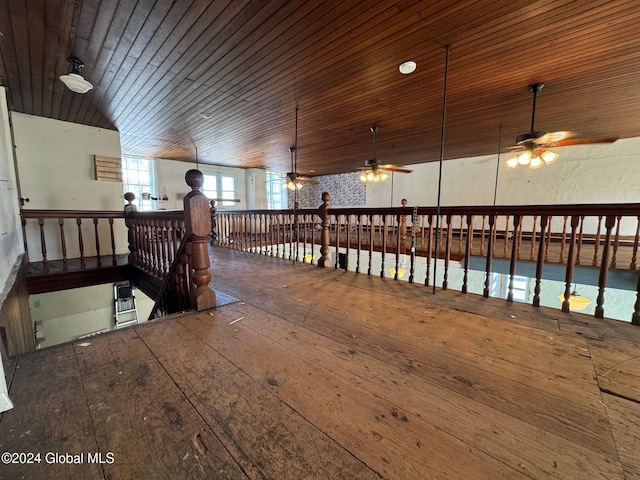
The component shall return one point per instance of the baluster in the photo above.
(563, 240)
(412, 269)
(596, 245)
(346, 255)
(113, 243)
(337, 242)
(495, 237)
(487, 269)
(512, 265)
(533, 238)
(429, 245)
(397, 267)
(163, 244)
(539, 261)
(635, 318)
(634, 254)
(384, 244)
(371, 229)
(604, 266)
(170, 225)
(519, 240)
(580, 233)
(616, 241)
(467, 252)
(97, 236)
(280, 233)
(568, 278)
(63, 243)
(359, 241)
(157, 257)
(447, 254)
(506, 235)
(547, 240)
(482, 236)
(43, 246)
(440, 241)
(470, 233)
(323, 213)
(80, 241)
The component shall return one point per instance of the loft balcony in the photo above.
(323, 373)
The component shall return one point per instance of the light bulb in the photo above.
(536, 162)
(371, 176)
(525, 158)
(363, 178)
(513, 162)
(383, 176)
(549, 157)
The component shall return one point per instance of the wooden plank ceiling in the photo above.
(156, 65)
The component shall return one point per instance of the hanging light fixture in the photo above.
(576, 301)
(73, 80)
(533, 156)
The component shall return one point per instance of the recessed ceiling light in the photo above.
(407, 67)
(311, 171)
(205, 115)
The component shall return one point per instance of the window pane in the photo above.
(138, 178)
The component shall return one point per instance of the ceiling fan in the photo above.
(294, 180)
(536, 144)
(374, 171)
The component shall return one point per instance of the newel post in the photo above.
(323, 212)
(197, 218)
(131, 234)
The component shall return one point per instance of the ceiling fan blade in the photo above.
(581, 141)
(307, 180)
(394, 168)
(552, 137)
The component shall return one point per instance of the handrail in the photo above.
(65, 241)
(598, 236)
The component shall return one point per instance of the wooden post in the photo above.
(197, 218)
(131, 233)
(604, 266)
(568, 278)
(323, 213)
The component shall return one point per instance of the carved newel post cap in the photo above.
(129, 196)
(326, 197)
(403, 202)
(195, 179)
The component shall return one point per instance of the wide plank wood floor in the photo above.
(327, 374)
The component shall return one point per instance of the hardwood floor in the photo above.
(327, 374)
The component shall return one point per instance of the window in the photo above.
(138, 177)
(220, 187)
(276, 195)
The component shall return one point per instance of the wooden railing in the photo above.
(72, 234)
(167, 249)
(604, 237)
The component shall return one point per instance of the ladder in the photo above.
(125, 304)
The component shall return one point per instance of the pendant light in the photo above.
(73, 80)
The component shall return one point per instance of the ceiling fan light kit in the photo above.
(536, 143)
(73, 80)
(373, 171)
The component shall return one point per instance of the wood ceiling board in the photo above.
(157, 65)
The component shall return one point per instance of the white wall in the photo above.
(11, 244)
(66, 315)
(170, 176)
(605, 173)
(56, 171)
